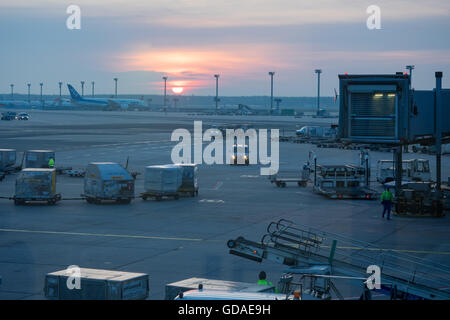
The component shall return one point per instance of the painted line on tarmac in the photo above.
(394, 250)
(106, 235)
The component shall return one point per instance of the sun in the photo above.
(177, 90)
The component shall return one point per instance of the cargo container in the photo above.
(162, 181)
(38, 158)
(173, 289)
(35, 184)
(7, 159)
(96, 284)
(108, 181)
(189, 181)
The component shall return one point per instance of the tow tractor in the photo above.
(315, 259)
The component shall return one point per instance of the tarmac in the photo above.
(180, 239)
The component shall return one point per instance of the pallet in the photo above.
(50, 201)
(160, 196)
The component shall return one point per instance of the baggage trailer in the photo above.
(159, 196)
(283, 178)
(343, 182)
(162, 182)
(107, 181)
(36, 184)
(96, 284)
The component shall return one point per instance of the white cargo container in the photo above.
(7, 159)
(38, 158)
(96, 284)
(189, 182)
(108, 181)
(173, 289)
(163, 178)
(36, 184)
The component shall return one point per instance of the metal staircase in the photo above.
(402, 275)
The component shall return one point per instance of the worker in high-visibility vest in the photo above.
(263, 281)
(51, 163)
(386, 200)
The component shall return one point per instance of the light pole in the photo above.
(217, 90)
(115, 88)
(60, 86)
(318, 71)
(165, 92)
(12, 91)
(29, 98)
(41, 84)
(93, 83)
(410, 68)
(271, 90)
(82, 88)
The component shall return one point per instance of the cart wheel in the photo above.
(283, 184)
(51, 202)
(126, 201)
(17, 202)
(158, 198)
(278, 184)
(97, 201)
(300, 184)
(177, 197)
(144, 198)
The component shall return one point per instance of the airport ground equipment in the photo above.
(7, 159)
(75, 172)
(201, 294)
(173, 289)
(162, 181)
(282, 178)
(97, 284)
(320, 257)
(107, 181)
(418, 199)
(38, 158)
(316, 132)
(342, 182)
(384, 109)
(34, 184)
(189, 179)
(412, 170)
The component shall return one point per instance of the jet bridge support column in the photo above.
(438, 132)
(398, 169)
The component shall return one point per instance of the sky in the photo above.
(189, 41)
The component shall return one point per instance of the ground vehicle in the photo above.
(97, 284)
(23, 116)
(316, 132)
(36, 184)
(342, 182)
(108, 181)
(240, 155)
(412, 170)
(10, 115)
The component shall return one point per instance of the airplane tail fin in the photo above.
(73, 93)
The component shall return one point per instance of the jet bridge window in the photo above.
(372, 114)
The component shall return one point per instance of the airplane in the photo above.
(109, 103)
(14, 103)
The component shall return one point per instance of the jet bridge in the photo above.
(403, 276)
